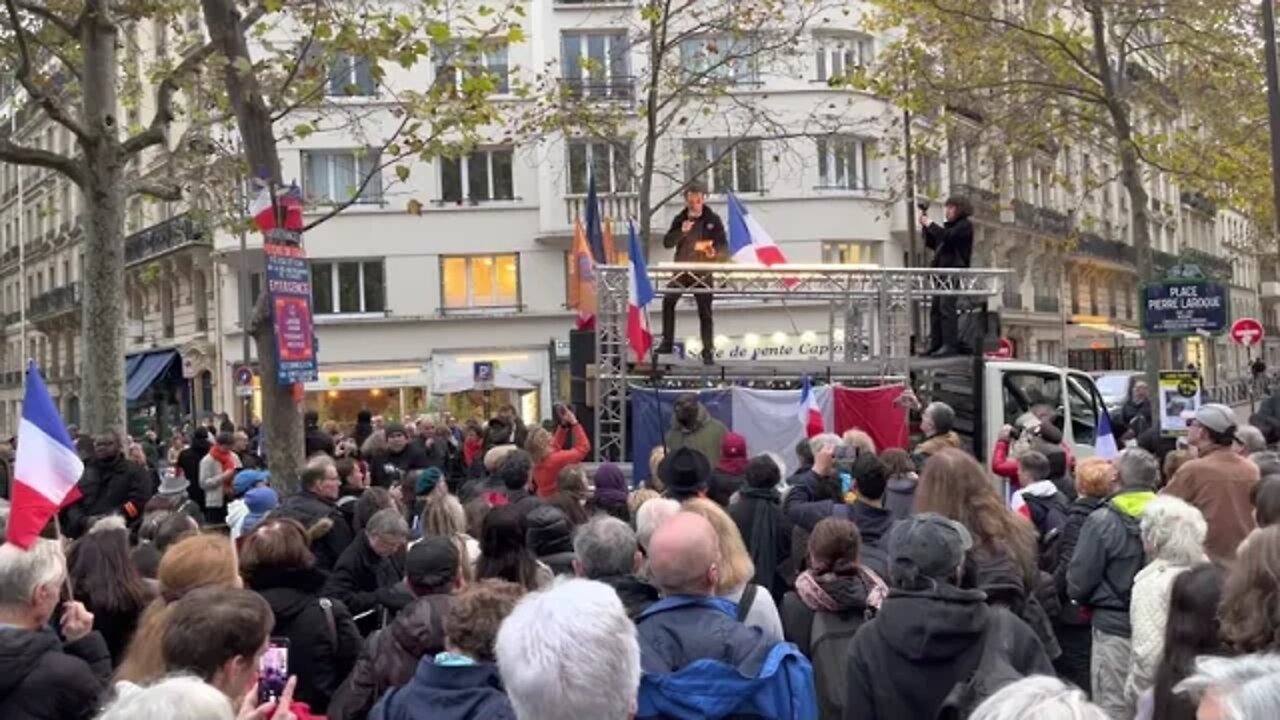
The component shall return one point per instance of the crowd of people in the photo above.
(436, 571)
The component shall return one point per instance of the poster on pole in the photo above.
(289, 292)
(1179, 393)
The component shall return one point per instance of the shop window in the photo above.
(348, 287)
(480, 281)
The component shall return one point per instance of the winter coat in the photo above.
(1017, 589)
(366, 581)
(903, 663)
(391, 655)
(189, 462)
(708, 226)
(388, 469)
(1148, 615)
(705, 436)
(1077, 512)
(900, 494)
(743, 513)
(1106, 560)
(438, 692)
(635, 592)
(523, 501)
(319, 441)
(108, 487)
(873, 525)
(937, 443)
(1221, 485)
(42, 678)
(1046, 507)
(682, 629)
(320, 654)
(546, 474)
(309, 509)
(951, 243)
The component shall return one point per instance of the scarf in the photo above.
(471, 449)
(227, 460)
(840, 593)
(763, 536)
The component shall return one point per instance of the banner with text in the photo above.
(1174, 309)
(289, 292)
(1179, 395)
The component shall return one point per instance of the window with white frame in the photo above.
(845, 162)
(1021, 191)
(350, 75)
(485, 174)
(720, 58)
(456, 63)
(479, 281)
(345, 287)
(928, 173)
(838, 55)
(596, 64)
(334, 176)
(608, 161)
(724, 165)
(1044, 186)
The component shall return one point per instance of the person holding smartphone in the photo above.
(553, 453)
(698, 236)
(952, 246)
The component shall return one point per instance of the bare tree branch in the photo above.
(40, 10)
(22, 155)
(337, 208)
(155, 189)
(51, 106)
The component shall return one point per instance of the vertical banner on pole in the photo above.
(289, 292)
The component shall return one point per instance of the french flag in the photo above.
(47, 468)
(809, 414)
(749, 242)
(639, 295)
(1104, 446)
(263, 212)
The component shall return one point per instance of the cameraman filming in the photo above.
(952, 246)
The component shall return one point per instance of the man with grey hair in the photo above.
(1249, 440)
(605, 549)
(365, 577)
(804, 487)
(43, 675)
(1240, 688)
(570, 652)
(936, 422)
(1045, 698)
(1107, 558)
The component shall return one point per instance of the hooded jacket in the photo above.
(309, 509)
(436, 692)
(1106, 560)
(706, 436)
(900, 494)
(391, 655)
(389, 468)
(550, 538)
(114, 486)
(682, 629)
(903, 663)
(42, 678)
(321, 656)
(1077, 512)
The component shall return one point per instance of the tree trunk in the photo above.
(102, 310)
(282, 421)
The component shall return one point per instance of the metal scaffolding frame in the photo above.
(870, 305)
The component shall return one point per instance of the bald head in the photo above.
(684, 556)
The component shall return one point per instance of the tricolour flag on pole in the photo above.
(1105, 445)
(47, 468)
(291, 207)
(639, 296)
(749, 242)
(809, 413)
(261, 211)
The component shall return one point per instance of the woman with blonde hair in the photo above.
(1250, 611)
(445, 517)
(859, 441)
(756, 605)
(200, 561)
(550, 455)
(654, 483)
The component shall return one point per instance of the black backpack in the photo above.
(994, 671)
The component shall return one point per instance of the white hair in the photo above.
(387, 523)
(605, 546)
(22, 571)
(1040, 697)
(821, 440)
(180, 697)
(652, 514)
(570, 652)
(105, 524)
(1174, 531)
(1248, 687)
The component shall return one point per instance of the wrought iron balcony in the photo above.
(1039, 218)
(1093, 245)
(614, 88)
(163, 238)
(55, 302)
(1045, 303)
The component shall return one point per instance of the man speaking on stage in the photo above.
(698, 236)
(952, 246)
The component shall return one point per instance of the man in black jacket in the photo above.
(110, 485)
(317, 440)
(318, 501)
(44, 676)
(952, 246)
(401, 458)
(605, 549)
(366, 577)
(698, 236)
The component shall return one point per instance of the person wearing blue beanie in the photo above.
(245, 482)
(260, 501)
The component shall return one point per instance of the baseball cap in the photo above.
(432, 562)
(927, 545)
(1218, 418)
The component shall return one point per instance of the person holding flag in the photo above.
(698, 236)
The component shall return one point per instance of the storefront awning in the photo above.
(146, 368)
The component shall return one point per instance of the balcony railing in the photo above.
(172, 234)
(613, 88)
(55, 302)
(1046, 304)
(1011, 298)
(1094, 245)
(616, 206)
(13, 318)
(986, 203)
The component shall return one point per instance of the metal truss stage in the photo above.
(871, 305)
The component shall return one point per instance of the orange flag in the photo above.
(582, 279)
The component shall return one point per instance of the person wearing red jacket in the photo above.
(550, 455)
(1007, 467)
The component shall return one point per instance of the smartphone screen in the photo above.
(273, 670)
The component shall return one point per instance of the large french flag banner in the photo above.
(749, 242)
(47, 468)
(809, 414)
(640, 294)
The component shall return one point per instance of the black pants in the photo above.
(1072, 665)
(669, 301)
(944, 322)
